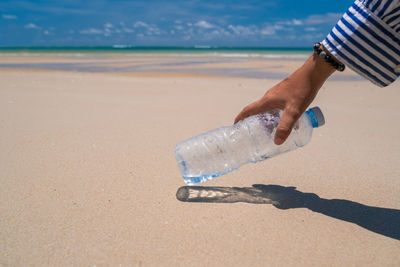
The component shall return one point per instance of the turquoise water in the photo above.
(158, 49)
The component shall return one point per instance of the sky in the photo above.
(288, 23)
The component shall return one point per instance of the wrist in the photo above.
(323, 53)
(320, 69)
(316, 70)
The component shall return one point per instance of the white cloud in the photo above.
(268, 30)
(178, 27)
(107, 30)
(127, 30)
(46, 32)
(331, 18)
(243, 30)
(32, 26)
(138, 24)
(205, 30)
(296, 22)
(328, 18)
(278, 27)
(310, 29)
(292, 22)
(224, 32)
(91, 31)
(8, 16)
(150, 29)
(204, 24)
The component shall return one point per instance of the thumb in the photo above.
(285, 126)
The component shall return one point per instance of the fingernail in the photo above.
(278, 141)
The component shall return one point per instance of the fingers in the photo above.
(247, 111)
(285, 126)
(253, 109)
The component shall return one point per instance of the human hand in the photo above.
(292, 95)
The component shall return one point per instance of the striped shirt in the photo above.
(367, 40)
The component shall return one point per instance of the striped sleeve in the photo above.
(367, 40)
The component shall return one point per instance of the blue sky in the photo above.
(167, 23)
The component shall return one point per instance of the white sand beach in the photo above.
(88, 175)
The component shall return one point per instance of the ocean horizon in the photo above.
(156, 49)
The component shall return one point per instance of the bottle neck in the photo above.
(313, 118)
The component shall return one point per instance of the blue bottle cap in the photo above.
(316, 116)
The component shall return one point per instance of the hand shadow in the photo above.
(379, 220)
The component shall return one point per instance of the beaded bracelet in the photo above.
(328, 58)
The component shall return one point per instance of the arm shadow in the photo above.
(379, 220)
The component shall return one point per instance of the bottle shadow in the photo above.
(379, 220)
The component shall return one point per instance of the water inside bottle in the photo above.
(192, 180)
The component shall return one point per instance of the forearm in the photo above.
(316, 70)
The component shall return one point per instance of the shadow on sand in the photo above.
(379, 220)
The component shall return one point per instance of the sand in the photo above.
(88, 175)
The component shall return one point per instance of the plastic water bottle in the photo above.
(225, 149)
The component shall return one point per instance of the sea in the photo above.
(180, 59)
(288, 51)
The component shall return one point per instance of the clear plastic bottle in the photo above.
(225, 149)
